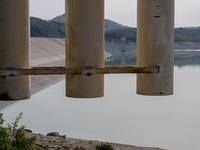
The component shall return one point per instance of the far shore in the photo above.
(133, 46)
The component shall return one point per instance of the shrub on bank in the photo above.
(13, 137)
(104, 147)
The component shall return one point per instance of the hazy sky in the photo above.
(187, 12)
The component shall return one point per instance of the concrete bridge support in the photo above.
(85, 46)
(155, 46)
(14, 48)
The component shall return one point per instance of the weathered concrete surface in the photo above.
(14, 48)
(155, 46)
(46, 52)
(84, 46)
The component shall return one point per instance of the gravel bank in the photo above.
(54, 141)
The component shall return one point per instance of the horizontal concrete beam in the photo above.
(14, 48)
(80, 71)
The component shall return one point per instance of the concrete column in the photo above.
(113, 45)
(123, 58)
(155, 46)
(123, 43)
(85, 46)
(14, 48)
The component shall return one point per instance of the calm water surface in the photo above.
(170, 122)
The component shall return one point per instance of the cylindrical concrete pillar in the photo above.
(155, 46)
(14, 48)
(85, 46)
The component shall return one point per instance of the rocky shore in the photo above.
(55, 141)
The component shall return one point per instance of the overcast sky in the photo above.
(187, 12)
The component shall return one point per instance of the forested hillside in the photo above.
(180, 34)
(60, 18)
(130, 33)
(55, 27)
(187, 34)
(43, 28)
(109, 24)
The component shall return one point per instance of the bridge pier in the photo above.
(85, 46)
(14, 48)
(155, 46)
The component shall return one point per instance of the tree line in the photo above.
(44, 28)
(180, 34)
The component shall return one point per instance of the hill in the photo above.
(130, 33)
(56, 26)
(187, 34)
(43, 28)
(180, 34)
(109, 24)
(60, 18)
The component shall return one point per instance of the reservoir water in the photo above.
(122, 116)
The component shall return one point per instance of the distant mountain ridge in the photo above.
(60, 18)
(180, 34)
(109, 24)
(56, 29)
(44, 28)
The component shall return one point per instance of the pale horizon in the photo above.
(123, 12)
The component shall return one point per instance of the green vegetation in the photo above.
(109, 24)
(56, 28)
(43, 28)
(16, 140)
(180, 34)
(187, 34)
(60, 18)
(130, 34)
(104, 147)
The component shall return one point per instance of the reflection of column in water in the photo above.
(112, 45)
(123, 44)
(123, 58)
(112, 58)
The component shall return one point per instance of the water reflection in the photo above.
(170, 122)
(3, 104)
(121, 58)
(181, 58)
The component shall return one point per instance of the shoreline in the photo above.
(54, 141)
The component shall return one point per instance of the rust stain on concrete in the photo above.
(2, 1)
(5, 96)
(2, 77)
